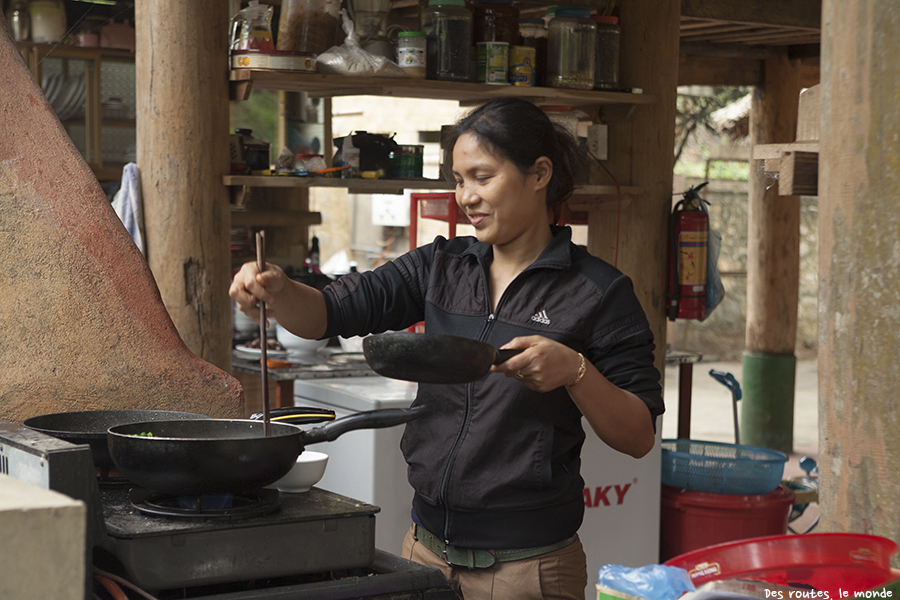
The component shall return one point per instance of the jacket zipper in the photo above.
(445, 480)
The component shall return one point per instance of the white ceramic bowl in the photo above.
(305, 473)
(297, 344)
(353, 344)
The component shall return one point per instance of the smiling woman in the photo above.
(495, 465)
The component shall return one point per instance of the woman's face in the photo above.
(503, 204)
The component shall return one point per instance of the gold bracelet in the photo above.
(581, 370)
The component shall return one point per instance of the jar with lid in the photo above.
(411, 48)
(495, 21)
(606, 63)
(309, 25)
(448, 31)
(570, 49)
(533, 33)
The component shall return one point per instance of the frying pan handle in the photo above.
(371, 419)
(505, 355)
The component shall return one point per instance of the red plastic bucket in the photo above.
(691, 520)
(829, 562)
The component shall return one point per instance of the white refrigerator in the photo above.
(622, 494)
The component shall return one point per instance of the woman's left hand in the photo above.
(544, 365)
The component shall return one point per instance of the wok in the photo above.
(89, 426)
(431, 357)
(221, 455)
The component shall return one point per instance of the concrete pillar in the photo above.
(859, 268)
(43, 551)
(773, 270)
(182, 131)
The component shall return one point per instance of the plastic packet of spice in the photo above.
(351, 59)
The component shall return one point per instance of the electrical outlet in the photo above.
(390, 211)
(597, 140)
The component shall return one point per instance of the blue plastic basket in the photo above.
(718, 468)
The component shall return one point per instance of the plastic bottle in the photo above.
(533, 33)
(350, 156)
(448, 29)
(495, 21)
(570, 53)
(411, 48)
(606, 67)
(309, 25)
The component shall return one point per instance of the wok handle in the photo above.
(371, 419)
(505, 355)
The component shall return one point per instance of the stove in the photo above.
(265, 544)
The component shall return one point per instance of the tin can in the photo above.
(521, 65)
(493, 63)
(407, 162)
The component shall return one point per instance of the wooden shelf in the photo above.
(241, 217)
(353, 186)
(318, 85)
(584, 195)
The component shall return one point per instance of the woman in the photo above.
(495, 463)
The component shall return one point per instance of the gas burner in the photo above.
(230, 506)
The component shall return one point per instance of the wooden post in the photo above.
(642, 151)
(182, 153)
(859, 269)
(773, 270)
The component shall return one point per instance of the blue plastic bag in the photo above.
(652, 582)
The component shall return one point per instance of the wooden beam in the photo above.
(798, 174)
(708, 70)
(796, 13)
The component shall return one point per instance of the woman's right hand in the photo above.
(249, 287)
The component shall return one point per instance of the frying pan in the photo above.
(431, 357)
(221, 455)
(89, 426)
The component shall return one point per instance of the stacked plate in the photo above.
(65, 95)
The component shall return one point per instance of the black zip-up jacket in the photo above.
(494, 464)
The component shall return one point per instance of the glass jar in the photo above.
(606, 63)
(411, 48)
(19, 20)
(570, 49)
(309, 25)
(533, 33)
(496, 21)
(448, 29)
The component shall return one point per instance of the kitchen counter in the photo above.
(321, 365)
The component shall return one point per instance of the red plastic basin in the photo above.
(824, 561)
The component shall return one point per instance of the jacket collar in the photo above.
(557, 254)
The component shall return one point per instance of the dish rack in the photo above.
(719, 468)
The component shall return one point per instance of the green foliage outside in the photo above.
(258, 113)
(693, 124)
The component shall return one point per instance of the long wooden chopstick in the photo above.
(261, 266)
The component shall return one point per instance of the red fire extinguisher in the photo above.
(688, 243)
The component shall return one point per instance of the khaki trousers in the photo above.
(559, 575)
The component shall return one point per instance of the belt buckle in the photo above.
(444, 554)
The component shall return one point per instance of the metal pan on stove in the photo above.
(90, 426)
(221, 455)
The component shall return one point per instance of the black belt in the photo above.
(481, 559)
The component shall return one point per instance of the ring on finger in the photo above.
(520, 375)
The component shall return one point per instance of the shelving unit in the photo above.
(609, 106)
(107, 72)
